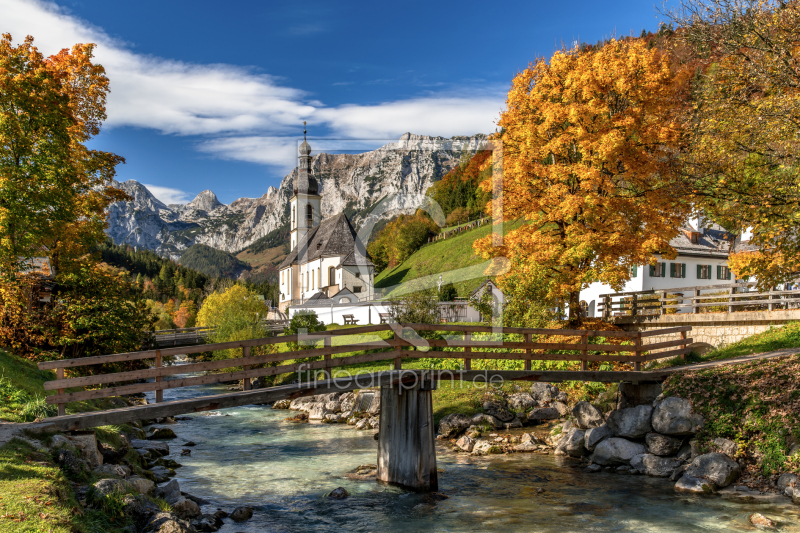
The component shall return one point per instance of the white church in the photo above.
(327, 263)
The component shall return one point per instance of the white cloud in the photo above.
(240, 113)
(169, 195)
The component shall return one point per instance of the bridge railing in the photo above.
(404, 343)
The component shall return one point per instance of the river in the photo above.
(251, 456)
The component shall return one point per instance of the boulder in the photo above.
(587, 415)
(726, 446)
(104, 487)
(453, 424)
(632, 422)
(537, 414)
(794, 494)
(685, 453)
(678, 472)
(593, 436)
(573, 444)
(334, 407)
(150, 448)
(561, 407)
(761, 521)
(86, 443)
(339, 493)
(486, 420)
(674, 416)
(241, 514)
(483, 446)
(527, 446)
(662, 445)
(161, 434)
(282, 404)
(498, 411)
(654, 465)
(347, 401)
(787, 480)
(521, 401)
(545, 392)
(466, 443)
(332, 418)
(718, 468)
(139, 509)
(141, 485)
(58, 441)
(113, 470)
(162, 473)
(169, 492)
(297, 403)
(186, 508)
(206, 522)
(317, 412)
(362, 423)
(167, 523)
(68, 461)
(374, 422)
(514, 424)
(113, 455)
(616, 451)
(694, 485)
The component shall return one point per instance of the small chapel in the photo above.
(328, 263)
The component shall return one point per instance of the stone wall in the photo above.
(716, 329)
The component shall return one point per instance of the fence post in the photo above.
(731, 292)
(62, 407)
(159, 392)
(637, 341)
(528, 351)
(607, 307)
(683, 346)
(695, 302)
(771, 305)
(246, 381)
(634, 304)
(585, 352)
(467, 349)
(327, 344)
(398, 361)
(663, 300)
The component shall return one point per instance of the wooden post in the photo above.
(529, 351)
(634, 303)
(159, 393)
(731, 292)
(327, 344)
(406, 443)
(637, 341)
(585, 352)
(771, 305)
(398, 361)
(683, 346)
(467, 349)
(607, 307)
(663, 299)
(246, 381)
(695, 303)
(62, 407)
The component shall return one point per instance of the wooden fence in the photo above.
(198, 335)
(724, 297)
(405, 343)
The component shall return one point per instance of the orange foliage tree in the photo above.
(590, 144)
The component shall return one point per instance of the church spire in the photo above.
(305, 183)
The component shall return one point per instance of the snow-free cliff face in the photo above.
(398, 173)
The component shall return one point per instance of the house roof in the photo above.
(37, 265)
(482, 285)
(713, 242)
(343, 293)
(317, 299)
(334, 236)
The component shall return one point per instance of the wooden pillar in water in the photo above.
(406, 442)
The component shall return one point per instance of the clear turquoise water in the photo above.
(251, 456)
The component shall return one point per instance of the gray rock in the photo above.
(538, 414)
(241, 514)
(186, 508)
(654, 465)
(685, 453)
(104, 487)
(514, 424)
(465, 443)
(347, 401)
(86, 443)
(152, 449)
(678, 472)
(453, 424)
(717, 468)
(113, 470)
(161, 434)
(521, 401)
(139, 509)
(206, 523)
(593, 468)
(58, 441)
(317, 412)
(141, 485)
(787, 480)
(68, 461)
(362, 423)
(726, 446)
(167, 523)
(674, 416)
(794, 494)
(761, 521)
(587, 415)
(298, 403)
(561, 407)
(662, 445)
(282, 404)
(694, 485)
(527, 446)
(162, 473)
(334, 407)
(594, 435)
(633, 422)
(339, 493)
(498, 411)
(616, 451)
(486, 420)
(169, 492)
(573, 443)
(374, 422)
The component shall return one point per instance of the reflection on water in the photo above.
(250, 456)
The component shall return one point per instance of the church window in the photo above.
(356, 289)
(309, 213)
(306, 279)
(332, 276)
(294, 212)
(312, 279)
(358, 274)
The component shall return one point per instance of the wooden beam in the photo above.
(418, 354)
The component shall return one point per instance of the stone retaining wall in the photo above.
(716, 329)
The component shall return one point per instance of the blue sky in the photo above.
(212, 95)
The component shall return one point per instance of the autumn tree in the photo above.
(53, 189)
(744, 162)
(590, 141)
(400, 238)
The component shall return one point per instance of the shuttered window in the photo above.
(658, 270)
(723, 272)
(677, 270)
(634, 271)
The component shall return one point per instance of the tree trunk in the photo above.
(575, 318)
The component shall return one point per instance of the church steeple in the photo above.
(305, 183)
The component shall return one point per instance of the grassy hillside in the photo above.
(212, 262)
(453, 258)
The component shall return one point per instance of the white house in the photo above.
(327, 257)
(702, 260)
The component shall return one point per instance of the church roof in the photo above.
(355, 259)
(334, 236)
(305, 183)
(319, 298)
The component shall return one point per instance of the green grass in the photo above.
(453, 258)
(22, 389)
(775, 338)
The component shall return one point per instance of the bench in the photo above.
(385, 317)
(349, 319)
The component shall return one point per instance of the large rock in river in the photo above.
(587, 415)
(616, 451)
(595, 435)
(633, 422)
(715, 467)
(543, 413)
(674, 416)
(453, 424)
(662, 445)
(573, 444)
(653, 465)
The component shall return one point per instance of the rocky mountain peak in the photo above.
(205, 201)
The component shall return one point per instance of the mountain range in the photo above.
(395, 176)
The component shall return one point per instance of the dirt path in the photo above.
(734, 361)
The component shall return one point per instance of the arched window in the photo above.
(332, 276)
(309, 213)
(312, 279)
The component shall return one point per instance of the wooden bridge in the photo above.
(406, 438)
(198, 335)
